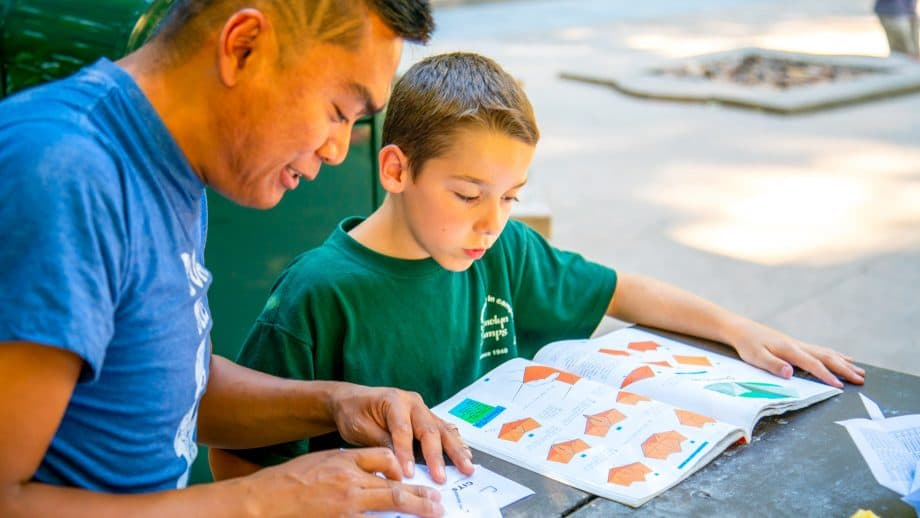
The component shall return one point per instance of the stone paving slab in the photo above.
(889, 77)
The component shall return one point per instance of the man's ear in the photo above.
(394, 169)
(243, 39)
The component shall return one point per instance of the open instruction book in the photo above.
(624, 416)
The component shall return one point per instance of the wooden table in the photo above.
(798, 464)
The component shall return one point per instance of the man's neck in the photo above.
(178, 97)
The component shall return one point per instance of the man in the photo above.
(104, 348)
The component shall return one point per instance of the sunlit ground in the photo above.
(851, 35)
(842, 206)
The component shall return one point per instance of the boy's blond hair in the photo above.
(443, 94)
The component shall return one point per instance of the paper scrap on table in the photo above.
(482, 494)
(891, 448)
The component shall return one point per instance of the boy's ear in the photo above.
(394, 169)
(242, 40)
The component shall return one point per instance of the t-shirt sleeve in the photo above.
(557, 294)
(63, 240)
(272, 349)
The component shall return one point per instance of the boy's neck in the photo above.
(385, 231)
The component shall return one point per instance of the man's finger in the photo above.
(456, 449)
(400, 425)
(428, 432)
(402, 498)
(376, 460)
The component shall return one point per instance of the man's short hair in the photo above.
(340, 22)
(443, 94)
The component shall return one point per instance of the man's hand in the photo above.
(775, 352)
(337, 483)
(391, 417)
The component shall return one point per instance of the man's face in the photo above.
(297, 116)
(459, 203)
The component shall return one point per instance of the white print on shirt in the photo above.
(202, 317)
(197, 275)
(183, 443)
(495, 324)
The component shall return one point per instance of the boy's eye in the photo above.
(510, 198)
(467, 199)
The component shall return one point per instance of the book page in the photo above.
(613, 443)
(685, 376)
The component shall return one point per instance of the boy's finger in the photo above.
(815, 366)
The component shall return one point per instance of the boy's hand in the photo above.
(338, 483)
(777, 353)
(390, 417)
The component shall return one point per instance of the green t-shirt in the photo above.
(344, 312)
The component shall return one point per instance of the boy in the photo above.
(432, 290)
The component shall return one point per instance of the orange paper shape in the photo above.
(626, 475)
(613, 352)
(692, 360)
(514, 430)
(628, 398)
(689, 418)
(564, 451)
(660, 445)
(643, 346)
(636, 375)
(599, 424)
(660, 363)
(542, 372)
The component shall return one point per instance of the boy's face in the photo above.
(459, 202)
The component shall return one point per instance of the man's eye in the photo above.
(340, 117)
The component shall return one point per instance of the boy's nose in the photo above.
(492, 219)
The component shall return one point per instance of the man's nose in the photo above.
(335, 149)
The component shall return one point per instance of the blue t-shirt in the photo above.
(896, 7)
(103, 225)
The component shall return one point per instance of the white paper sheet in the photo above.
(891, 448)
(482, 494)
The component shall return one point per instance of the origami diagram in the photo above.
(689, 418)
(753, 389)
(636, 375)
(564, 451)
(660, 445)
(692, 360)
(599, 424)
(541, 372)
(515, 430)
(628, 398)
(660, 363)
(613, 352)
(643, 346)
(626, 475)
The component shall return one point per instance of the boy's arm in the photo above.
(37, 384)
(245, 408)
(653, 303)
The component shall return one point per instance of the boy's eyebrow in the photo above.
(361, 91)
(479, 181)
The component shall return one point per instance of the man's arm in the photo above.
(245, 408)
(653, 303)
(37, 384)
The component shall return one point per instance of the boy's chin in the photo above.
(454, 265)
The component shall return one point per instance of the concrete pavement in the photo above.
(808, 223)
